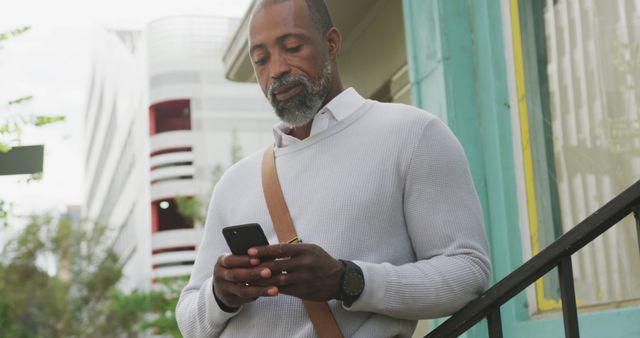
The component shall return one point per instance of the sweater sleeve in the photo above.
(197, 312)
(444, 220)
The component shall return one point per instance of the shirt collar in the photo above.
(343, 105)
(281, 135)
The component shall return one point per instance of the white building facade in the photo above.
(161, 121)
(117, 172)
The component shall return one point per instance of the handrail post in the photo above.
(557, 254)
(494, 323)
(568, 295)
(636, 214)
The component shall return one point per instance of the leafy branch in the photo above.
(12, 33)
(59, 279)
(20, 100)
(5, 212)
(191, 208)
(12, 124)
(54, 284)
(152, 310)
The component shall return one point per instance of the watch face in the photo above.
(353, 283)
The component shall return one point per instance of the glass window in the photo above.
(167, 217)
(169, 116)
(582, 68)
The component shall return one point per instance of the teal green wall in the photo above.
(457, 70)
(473, 100)
(456, 57)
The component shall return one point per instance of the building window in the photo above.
(165, 216)
(169, 116)
(579, 127)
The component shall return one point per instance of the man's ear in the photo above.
(334, 41)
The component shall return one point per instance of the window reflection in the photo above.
(593, 51)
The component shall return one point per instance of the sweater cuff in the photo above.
(214, 313)
(375, 284)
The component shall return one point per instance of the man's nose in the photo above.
(279, 66)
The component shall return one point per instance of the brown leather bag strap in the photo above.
(320, 314)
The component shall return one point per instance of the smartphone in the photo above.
(242, 237)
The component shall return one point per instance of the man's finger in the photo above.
(252, 291)
(280, 265)
(238, 275)
(279, 250)
(287, 279)
(229, 261)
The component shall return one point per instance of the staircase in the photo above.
(558, 254)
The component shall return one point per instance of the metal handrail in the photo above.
(557, 254)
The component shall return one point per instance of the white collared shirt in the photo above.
(335, 111)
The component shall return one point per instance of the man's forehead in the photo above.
(276, 7)
(263, 3)
(286, 16)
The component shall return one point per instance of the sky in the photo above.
(52, 62)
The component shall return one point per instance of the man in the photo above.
(385, 188)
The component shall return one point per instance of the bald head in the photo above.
(318, 12)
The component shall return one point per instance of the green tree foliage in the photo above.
(59, 279)
(152, 310)
(12, 34)
(11, 122)
(56, 280)
(5, 212)
(192, 207)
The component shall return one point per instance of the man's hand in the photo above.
(303, 270)
(238, 280)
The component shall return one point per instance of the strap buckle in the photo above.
(294, 240)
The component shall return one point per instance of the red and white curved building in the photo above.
(189, 120)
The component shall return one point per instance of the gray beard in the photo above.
(300, 109)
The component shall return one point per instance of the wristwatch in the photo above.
(351, 283)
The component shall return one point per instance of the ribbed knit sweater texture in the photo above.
(389, 188)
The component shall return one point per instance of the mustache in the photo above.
(284, 82)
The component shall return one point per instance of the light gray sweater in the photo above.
(389, 188)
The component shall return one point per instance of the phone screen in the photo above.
(242, 237)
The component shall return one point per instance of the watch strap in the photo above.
(344, 295)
